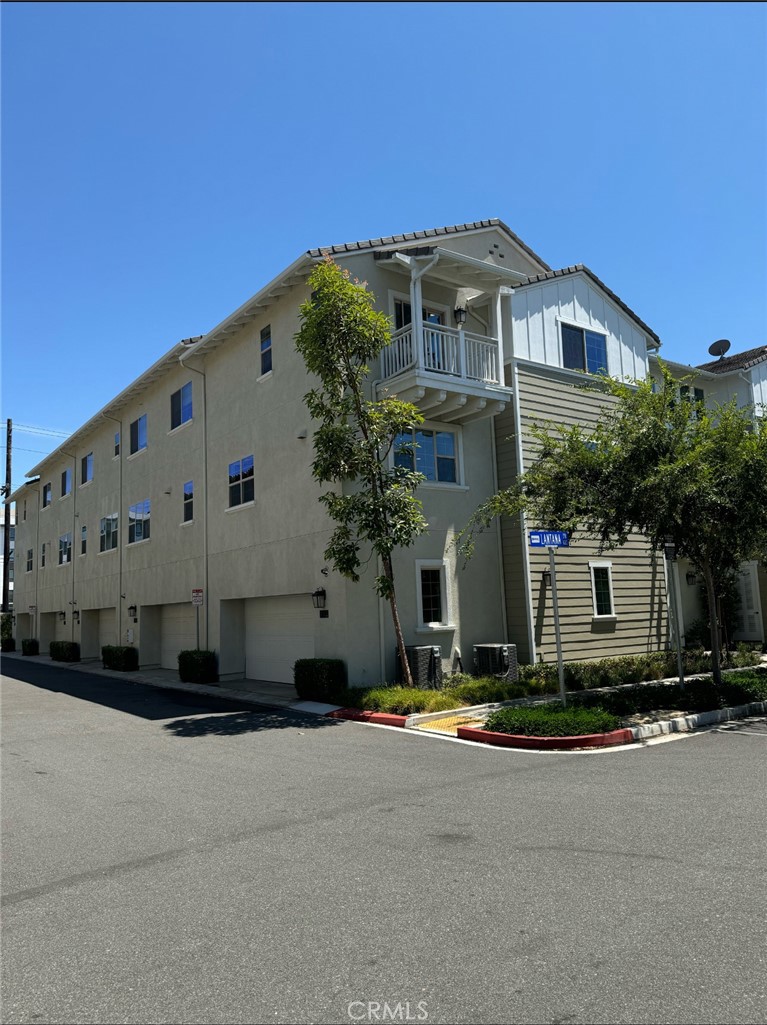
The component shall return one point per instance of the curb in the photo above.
(358, 715)
(623, 736)
(686, 723)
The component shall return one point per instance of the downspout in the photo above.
(522, 527)
(206, 618)
(416, 304)
(119, 534)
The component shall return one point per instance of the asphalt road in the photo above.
(169, 862)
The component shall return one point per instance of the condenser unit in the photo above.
(496, 660)
(425, 665)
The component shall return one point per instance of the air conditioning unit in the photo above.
(496, 660)
(425, 666)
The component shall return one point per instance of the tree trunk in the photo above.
(714, 618)
(406, 674)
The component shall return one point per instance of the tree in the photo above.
(658, 464)
(372, 504)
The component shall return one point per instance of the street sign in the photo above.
(549, 539)
(197, 596)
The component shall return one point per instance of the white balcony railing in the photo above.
(444, 350)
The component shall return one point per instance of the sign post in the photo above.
(197, 595)
(669, 551)
(553, 539)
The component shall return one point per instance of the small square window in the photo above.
(584, 350)
(241, 483)
(138, 522)
(266, 349)
(432, 453)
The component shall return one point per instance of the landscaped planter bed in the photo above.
(611, 739)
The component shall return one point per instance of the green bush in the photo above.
(319, 679)
(7, 644)
(65, 651)
(6, 628)
(551, 721)
(122, 658)
(485, 692)
(198, 666)
(30, 646)
(741, 688)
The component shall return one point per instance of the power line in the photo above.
(28, 429)
(37, 451)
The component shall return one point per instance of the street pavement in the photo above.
(169, 859)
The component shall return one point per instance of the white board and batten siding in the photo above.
(538, 310)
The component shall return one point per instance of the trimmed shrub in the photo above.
(7, 644)
(122, 658)
(65, 651)
(198, 666)
(741, 688)
(30, 646)
(551, 721)
(319, 679)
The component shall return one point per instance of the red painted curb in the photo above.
(624, 736)
(357, 715)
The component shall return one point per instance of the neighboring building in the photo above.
(11, 560)
(198, 476)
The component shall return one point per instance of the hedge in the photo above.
(119, 657)
(7, 644)
(65, 651)
(30, 646)
(319, 679)
(198, 666)
(551, 721)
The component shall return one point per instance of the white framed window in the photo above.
(266, 350)
(433, 451)
(188, 502)
(602, 589)
(402, 311)
(108, 532)
(42, 555)
(30, 559)
(431, 594)
(65, 548)
(138, 522)
(46, 495)
(241, 482)
(583, 349)
(181, 406)
(138, 435)
(86, 468)
(83, 540)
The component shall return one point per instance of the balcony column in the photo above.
(506, 294)
(416, 316)
(496, 331)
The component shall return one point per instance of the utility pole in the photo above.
(7, 520)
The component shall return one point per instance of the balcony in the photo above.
(449, 373)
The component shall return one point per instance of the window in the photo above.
(403, 315)
(584, 350)
(138, 435)
(241, 484)
(46, 495)
(42, 555)
(65, 548)
(66, 483)
(30, 559)
(696, 395)
(138, 522)
(108, 530)
(432, 594)
(266, 350)
(24, 513)
(435, 454)
(180, 407)
(117, 443)
(188, 501)
(83, 540)
(86, 468)
(602, 588)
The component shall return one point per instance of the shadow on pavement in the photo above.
(123, 696)
(247, 722)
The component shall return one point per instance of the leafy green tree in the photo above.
(657, 464)
(372, 504)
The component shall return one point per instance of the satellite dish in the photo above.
(720, 348)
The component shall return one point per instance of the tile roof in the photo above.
(738, 361)
(415, 236)
(580, 268)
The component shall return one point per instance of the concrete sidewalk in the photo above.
(259, 693)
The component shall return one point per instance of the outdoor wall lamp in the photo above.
(132, 611)
(76, 616)
(460, 315)
(547, 578)
(692, 578)
(318, 598)
(62, 617)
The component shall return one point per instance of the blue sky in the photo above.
(161, 162)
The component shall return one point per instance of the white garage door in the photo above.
(107, 627)
(178, 632)
(277, 632)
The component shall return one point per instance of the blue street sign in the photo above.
(549, 539)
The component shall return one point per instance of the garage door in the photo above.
(277, 632)
(107, 627)
(178, 632)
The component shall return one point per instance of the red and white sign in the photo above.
(197, 596)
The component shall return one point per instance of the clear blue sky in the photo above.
(161, 162)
